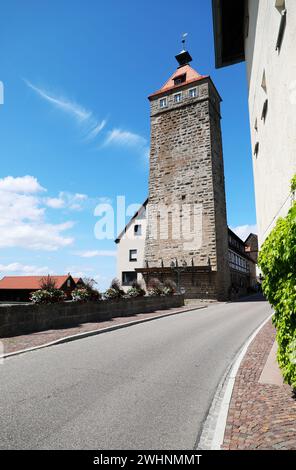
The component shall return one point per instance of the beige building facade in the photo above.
(263, 33)
(131, 246)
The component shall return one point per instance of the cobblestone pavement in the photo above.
(17, 343)
(260, 416)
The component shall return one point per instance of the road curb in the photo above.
(67, 339)
(222, 397)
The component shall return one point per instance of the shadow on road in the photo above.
(259, 297)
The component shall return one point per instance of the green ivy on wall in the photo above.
(277, 260)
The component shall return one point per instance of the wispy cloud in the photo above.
(96, 130)
(131, 140)
(95, 253)
(83, 116)
(127, 138)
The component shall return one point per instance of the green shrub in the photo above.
(85, 294)
(277, 260)
(47, 296)
(155, 287)
(136, 290)
(112, 294)
(114, 291)
(170, 287)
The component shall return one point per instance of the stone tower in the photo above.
(187, 180)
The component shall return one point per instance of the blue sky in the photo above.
(74, 126)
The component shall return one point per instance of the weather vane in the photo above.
(184, 35)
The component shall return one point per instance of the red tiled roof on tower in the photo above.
(190, 74)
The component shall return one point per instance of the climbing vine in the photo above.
(277, 260)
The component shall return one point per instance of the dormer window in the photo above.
(180, 79)
(192, 93)
(177, 97)
(163, 103)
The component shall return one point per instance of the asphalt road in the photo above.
(147, 386)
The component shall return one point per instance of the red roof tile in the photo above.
(29, 282)
(191, 76)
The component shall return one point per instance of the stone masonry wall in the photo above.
(20, 319)
(186, 167)
(223, 270)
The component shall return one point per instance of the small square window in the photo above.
(133, 255)
(138, 229)
(163, 103)
(177, 97)
(192, 93)
(128, 277)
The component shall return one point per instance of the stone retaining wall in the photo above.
(20, 319)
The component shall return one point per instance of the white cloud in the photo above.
(22, 217)
(243, 231)
(67, 200)
(79, 271)
(20, 184)
(95, 253)
(55, 202)
(91, 125)
(18, 269)
(35, 236)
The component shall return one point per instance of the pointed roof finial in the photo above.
(184, 35)
(183, 57)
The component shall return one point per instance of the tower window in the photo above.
(177, 97)
(133, 255)
(192, 93)
(163, 103)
